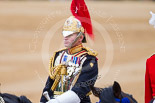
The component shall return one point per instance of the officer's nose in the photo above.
(65, 38)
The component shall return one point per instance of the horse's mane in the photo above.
(106, 95)
(10, 98)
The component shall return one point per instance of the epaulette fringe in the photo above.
(90, 51)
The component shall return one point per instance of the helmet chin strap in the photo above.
(78, 36)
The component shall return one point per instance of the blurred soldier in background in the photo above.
(150, 80)
(150, 72)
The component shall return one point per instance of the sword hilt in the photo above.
(46, 95)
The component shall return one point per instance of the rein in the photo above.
(123, 100)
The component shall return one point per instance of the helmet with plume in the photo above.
(80, 22)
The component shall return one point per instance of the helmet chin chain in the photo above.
(78, 36)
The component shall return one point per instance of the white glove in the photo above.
(67, 97)
(154, 101)
(152, 20)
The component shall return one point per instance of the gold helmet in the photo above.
(73, 25)
(80, 22)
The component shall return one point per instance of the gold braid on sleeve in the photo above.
(51, 67)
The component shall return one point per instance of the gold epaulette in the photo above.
(90, 51)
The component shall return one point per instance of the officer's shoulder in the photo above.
(61, 50)
(56, 53)
(90, 52)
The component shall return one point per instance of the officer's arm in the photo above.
(87, 77)
(47, 88)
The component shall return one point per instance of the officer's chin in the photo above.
(66, 45)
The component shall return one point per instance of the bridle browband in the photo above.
(122, 100)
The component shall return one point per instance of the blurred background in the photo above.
(30, 31)
(70, 0)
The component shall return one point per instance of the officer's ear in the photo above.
(81, 38)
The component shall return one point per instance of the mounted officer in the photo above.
(74, 69)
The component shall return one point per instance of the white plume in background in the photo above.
(152, 20)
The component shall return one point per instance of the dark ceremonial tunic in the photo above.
(82, 71)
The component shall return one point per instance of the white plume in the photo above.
(152, 20)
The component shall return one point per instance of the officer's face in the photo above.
(68, 40)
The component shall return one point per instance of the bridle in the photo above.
(122, 100)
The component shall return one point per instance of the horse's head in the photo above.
(120, 96)
(112, 94)
(9, 98)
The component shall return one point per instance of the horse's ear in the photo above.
(116, 89)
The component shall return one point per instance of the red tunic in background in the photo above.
(150, 79)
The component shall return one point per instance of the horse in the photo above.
(10, 98)
(112, 94)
